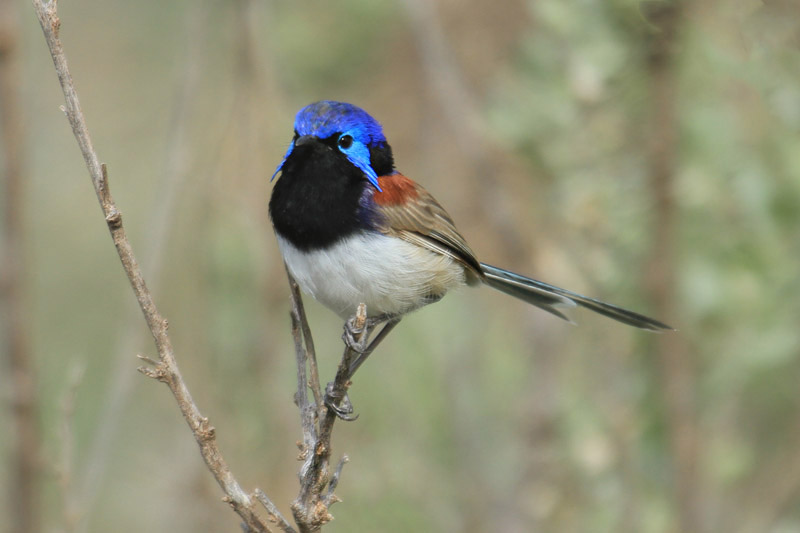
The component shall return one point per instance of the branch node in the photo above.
(320, 515)
(157, 372)
(303, 455)
(114, 219)
(55, 22)
(206, 431)
(321, 449)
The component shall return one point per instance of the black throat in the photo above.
(316, 201)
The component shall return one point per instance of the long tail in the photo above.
(550, 298)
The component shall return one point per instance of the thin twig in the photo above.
(310, 352)
(166, 369)
(274, 515)
(330, 497)
(308, 411)
(317, 484)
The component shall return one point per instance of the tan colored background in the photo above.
(546, 128)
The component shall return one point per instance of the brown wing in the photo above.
(412, 214)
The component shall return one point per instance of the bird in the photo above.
(352, 229)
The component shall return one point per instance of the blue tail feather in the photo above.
(550, 298)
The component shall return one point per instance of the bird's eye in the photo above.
(345, 142)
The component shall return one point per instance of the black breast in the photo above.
(316, 201)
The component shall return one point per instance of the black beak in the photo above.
(305, 139)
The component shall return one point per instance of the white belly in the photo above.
(389, 275)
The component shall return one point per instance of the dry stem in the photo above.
(317, 483)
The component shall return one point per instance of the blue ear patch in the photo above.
(372, 177)
(358, 154)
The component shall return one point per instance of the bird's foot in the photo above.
(339, 403)
(357, 338)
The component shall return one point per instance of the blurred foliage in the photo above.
(479, 414)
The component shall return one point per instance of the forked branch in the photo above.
(317, 482)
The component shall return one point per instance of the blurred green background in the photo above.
(644, 153)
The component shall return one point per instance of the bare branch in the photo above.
(317, 484)
(308, 411)
(274, 514)
(169, 372)
(330, 497)
(310, 354)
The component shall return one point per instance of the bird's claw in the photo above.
(356, 337)
(352, 332)
(339, 404)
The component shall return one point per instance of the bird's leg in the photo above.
(362, 356)
(351, 331)
(341, 406)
